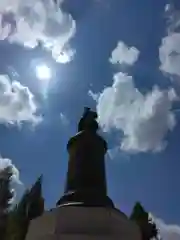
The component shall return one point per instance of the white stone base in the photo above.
(83, 223)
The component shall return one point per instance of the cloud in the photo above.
(167, 231)
(6, 162)
(16, 103)
(173, 18)
(144, 120)
(16, 184)
(123, 54)
(94, 96)
(169, 54)
(64, 119)
(114, 153)
(38, 21)
(169, 51)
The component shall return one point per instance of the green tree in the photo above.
(147, 226)
(36, 200)
(6, 195)
(30, 207)
(18, 220)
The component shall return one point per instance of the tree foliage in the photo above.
(30, 206)
(147, 226)
(36, 201)
(6, 195)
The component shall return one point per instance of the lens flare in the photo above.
(43, 72)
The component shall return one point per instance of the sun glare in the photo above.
(43, 72)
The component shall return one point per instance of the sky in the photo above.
(119, 57)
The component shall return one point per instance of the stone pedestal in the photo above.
(83, 223)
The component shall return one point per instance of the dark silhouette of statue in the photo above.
(86, 177)
(88, 121)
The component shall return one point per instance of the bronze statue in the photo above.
(88, 121)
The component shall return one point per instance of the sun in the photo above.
(43, 72)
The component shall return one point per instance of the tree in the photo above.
(36, 200)
(6, 195)
(147, 226)
(30, 206)
(18, 220)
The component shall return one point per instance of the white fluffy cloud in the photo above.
(123, 54)
(30, 22)
(16, 184)
(16, 103)
(144, 120)
(6, 162)
(167, 231)
(169, 51)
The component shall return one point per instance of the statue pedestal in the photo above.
(71, 222)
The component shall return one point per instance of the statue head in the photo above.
(88, 121)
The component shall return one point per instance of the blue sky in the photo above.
(118, 57)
